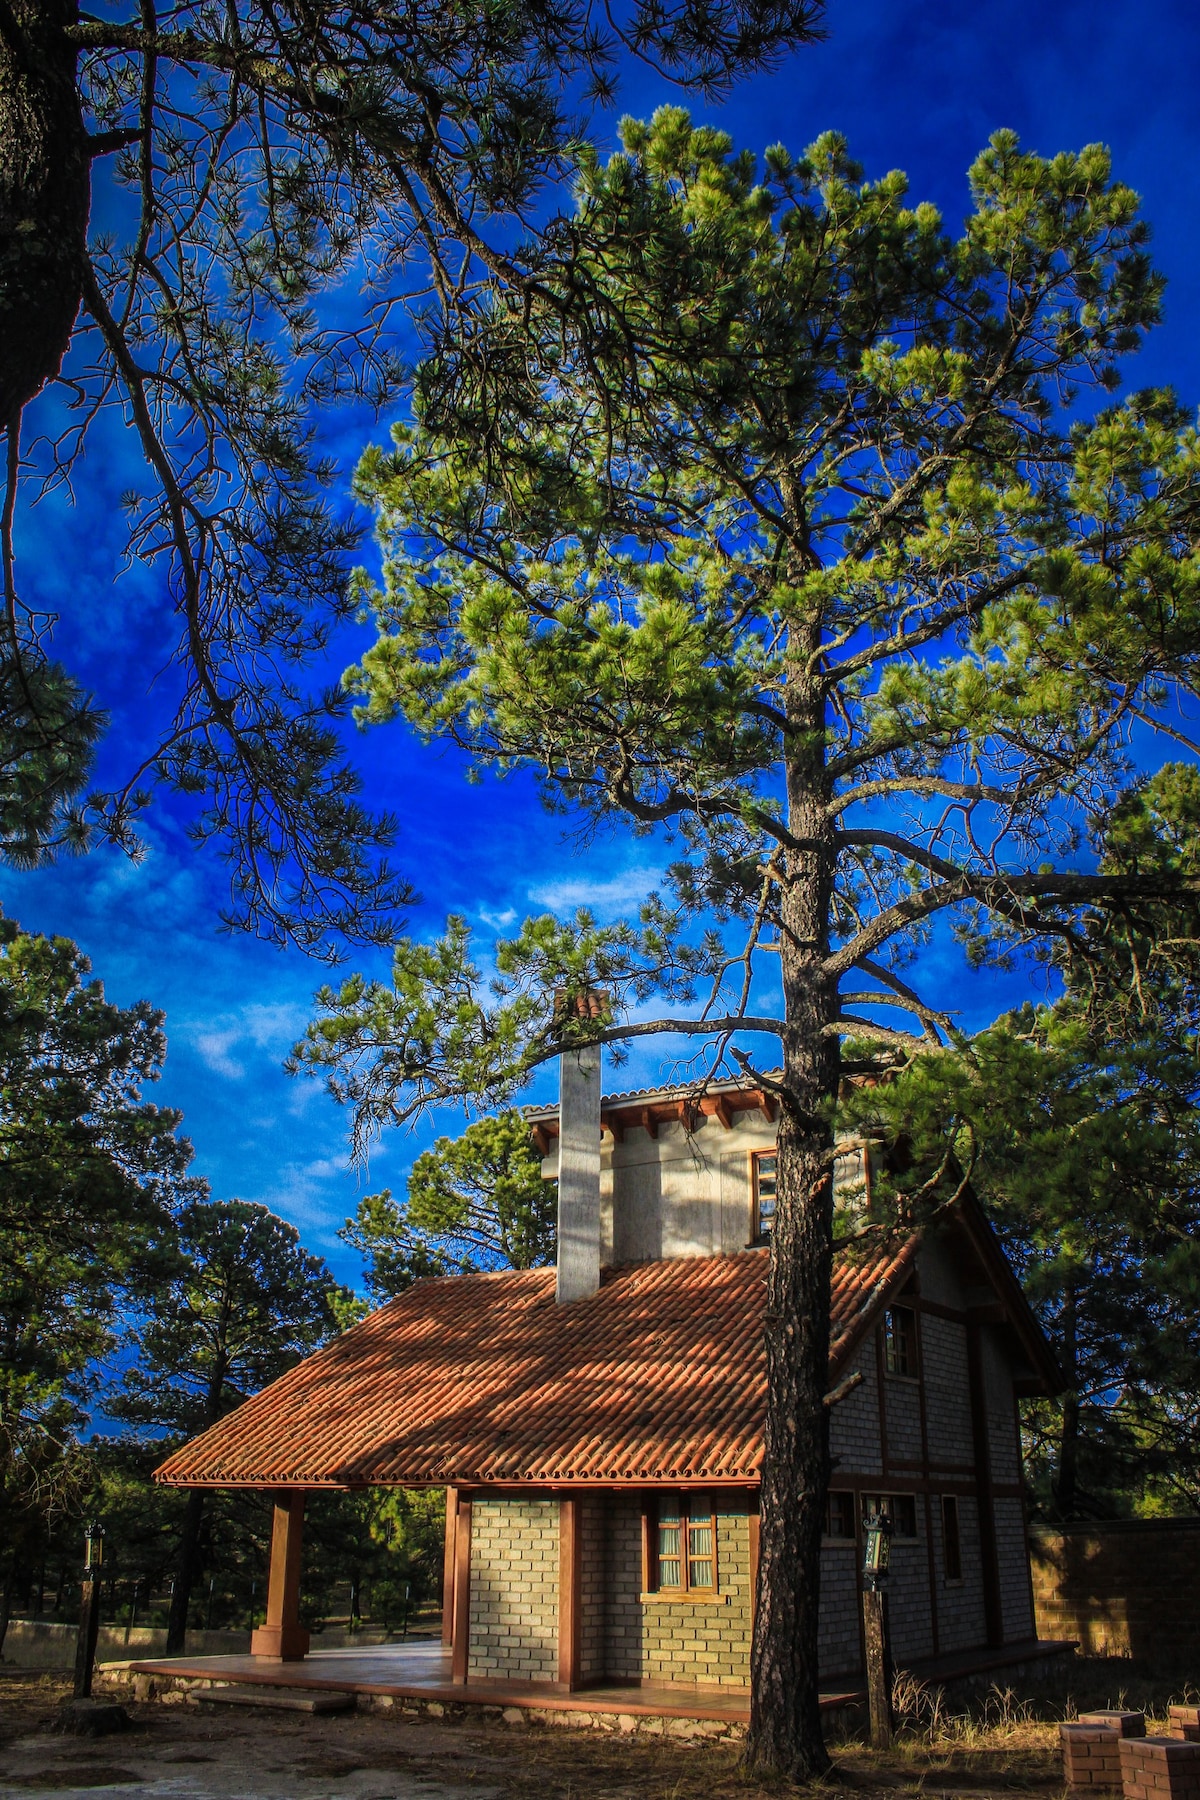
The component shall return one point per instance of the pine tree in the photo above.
(191, 204)
(817, 562)
(477, 1201)
(243, 1303)
(88, 1174)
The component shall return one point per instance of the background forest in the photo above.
(135, 1309)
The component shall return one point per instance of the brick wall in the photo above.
(854, 1427)
(705, 1640)
(623, 1565)
(960, 1603)
(593, 1599)
(839, 1642)
(1013, 1561)
(947, 1394)
(514, 1589)
(1126, 1588)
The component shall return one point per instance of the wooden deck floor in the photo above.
(421, 1671)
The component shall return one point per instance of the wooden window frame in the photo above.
(907, 1337)
(759, 1234)
(952, 1568)
(845, 1538)
(887, 1503)
(651, 1582)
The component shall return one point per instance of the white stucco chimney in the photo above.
(578, 1174)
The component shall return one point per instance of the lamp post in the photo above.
(89, 1611)
(877, 1550)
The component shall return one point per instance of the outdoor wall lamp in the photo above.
(94, 1552)
(877, 1551)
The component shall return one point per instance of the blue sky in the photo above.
(914, 86)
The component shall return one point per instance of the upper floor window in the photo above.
(685, 1544)
(764, 1164)
(900, 1341)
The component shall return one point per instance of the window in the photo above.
(951, 1541)
(839, 1516)
(764, 1192)
(901, 1509)
(685, 1544)
(900, 1341)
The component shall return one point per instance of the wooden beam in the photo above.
(448, 1567)
(611, 1121)
(649, 1121)
(766, 1105)
(282, 1638)
(541, 1140)
(570, 1592)
(462, 1591)
(723, 1110)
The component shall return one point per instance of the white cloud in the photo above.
(617, 894)
(270, 1026)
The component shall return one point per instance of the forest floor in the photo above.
(1004, 1747)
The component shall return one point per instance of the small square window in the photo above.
(764, 1176)
(685, 1544)
(900, 1341)
(901, 1509)
(839, 1516)
(951, 1540)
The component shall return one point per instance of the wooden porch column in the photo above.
(448, 1567)
(462, 1591)
(570, 1592)
(283, 1638)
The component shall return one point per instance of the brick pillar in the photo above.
(1091, 1755)
(283, 1638)
(1160, 1768)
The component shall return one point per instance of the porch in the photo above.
(420, 1673)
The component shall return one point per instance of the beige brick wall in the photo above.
(1125, 1588)
(678, 1640)
(514, 1589)
(707, 1641)
(593, 1598)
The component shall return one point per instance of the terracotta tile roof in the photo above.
(657, 1377)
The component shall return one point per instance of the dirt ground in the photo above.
(1004, 1747)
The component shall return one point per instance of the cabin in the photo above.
(598, 1426)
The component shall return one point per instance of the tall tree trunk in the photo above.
(45, 188)
(785, 1725)
(185, 1572)
(1066, 1480)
